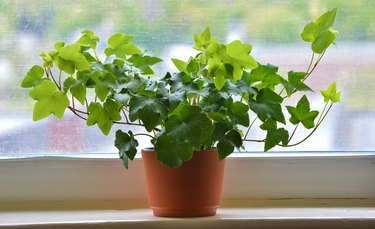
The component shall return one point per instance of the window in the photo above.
(166, 28)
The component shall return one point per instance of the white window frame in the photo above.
(247, 176)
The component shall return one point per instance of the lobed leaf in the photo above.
(49, 100)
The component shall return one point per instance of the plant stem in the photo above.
(73, 102)
(60, 78)
(252, 140)
(311, 61)
(294, 131)
(145, 135)
(126, 117)
(79, 111)
(53, 78)
(248, 129)
(87, 105)
(74, 112)
(315, 128)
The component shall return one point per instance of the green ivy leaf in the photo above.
(267, 105)
(104, 82)
(189, 124)
(203, 40)
(127, 146)
(148, 107)
(77, 87)
(302, 113)
(70, 58)
(49, 100)
(226, 145)
(240, 113)
(320, 32)
(241, 54)
(33, 77)
(144, 62)
(331, 94)
(103, 115)
(88, 38)
(172, 152)
(274, 137)
(323, 41)
(295, 82)
(120, 46)
(180, 65)
(267, 75)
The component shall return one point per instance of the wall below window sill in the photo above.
(285, 213)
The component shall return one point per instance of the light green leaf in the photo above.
(203, 40)
(49, 101)
(180, 65)
(103, 115)
(144, 63)
(172, 152)
(127, 146)
(267, 75)
(323, 41)
(71, 58)
(33, 77)
(120, 46)
(320, 32)
(88, 38)
(77, 88)
(302, 113)
(104, 82)
(241, 53)
(331, 94)
(219, 81)
(310, 32)
(119, 39)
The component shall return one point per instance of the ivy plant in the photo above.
(214, 100)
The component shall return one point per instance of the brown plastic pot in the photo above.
(193, 190)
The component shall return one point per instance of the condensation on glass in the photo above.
(165, 28)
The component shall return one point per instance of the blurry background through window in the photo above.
(166, 28)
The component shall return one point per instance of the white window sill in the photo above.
(337, 213)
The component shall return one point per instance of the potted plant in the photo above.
(195, 118)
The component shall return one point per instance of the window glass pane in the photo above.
(165, 28)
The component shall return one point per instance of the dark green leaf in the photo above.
(240, 113)
(274, 137)
(302, 113)
(226, 145)
(189, 124)
(295, 82)
(267, 105)
(148, 107)
(172, 152)
(127, 146)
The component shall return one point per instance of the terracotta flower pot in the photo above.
(193, 190)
